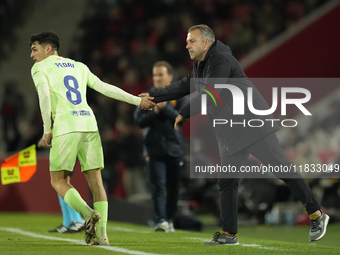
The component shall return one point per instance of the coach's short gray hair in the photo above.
(206, 32)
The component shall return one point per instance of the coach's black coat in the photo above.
(220, 63)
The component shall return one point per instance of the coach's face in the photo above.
(196, 47)
(39, 52)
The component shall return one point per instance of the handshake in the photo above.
(146, 103)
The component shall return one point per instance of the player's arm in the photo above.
(45, 108)
(116, 93)
(119, 94)
(45, 105)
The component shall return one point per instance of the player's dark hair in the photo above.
(166, 64)
(46, 38)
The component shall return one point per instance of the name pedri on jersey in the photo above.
(67, 80)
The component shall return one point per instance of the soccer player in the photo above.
(61, 86)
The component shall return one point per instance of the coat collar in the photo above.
(209, 53)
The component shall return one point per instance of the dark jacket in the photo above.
(160, 137)
(220, 64)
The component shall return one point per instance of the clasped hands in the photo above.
(146, 103)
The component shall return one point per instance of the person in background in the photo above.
(163, 149)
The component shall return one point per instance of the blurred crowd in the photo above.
(120, 40)
(11, 15)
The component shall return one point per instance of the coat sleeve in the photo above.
(171, 112)
(218, 67)
(173, 91)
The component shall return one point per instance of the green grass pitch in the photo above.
(27, 234)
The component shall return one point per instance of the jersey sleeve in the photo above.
(38, 75)
(45, 106)
(91, 78)
(116, 93)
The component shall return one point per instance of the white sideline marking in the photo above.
(241, 244)
(193, 238)
(130, 230)
(76, 241)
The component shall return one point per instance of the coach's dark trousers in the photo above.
(269, 152)
(164, 174)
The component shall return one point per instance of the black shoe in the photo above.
(318, 227)
(62, 229)
(77, 226)
(220, 238)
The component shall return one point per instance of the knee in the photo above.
(55, 183)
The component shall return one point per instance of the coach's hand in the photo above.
(146, 103)
(45, 141)
(159, 107)
(179, 121)
(144, 95)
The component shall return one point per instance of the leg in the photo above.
(64, 151)
(229, 192)
(173, 179)
(59, 179)
(94, 179)
(68, 193)
(91, 160)
(59, 182)
(269, 152)
(65, 208)
(64, 228)
(65, 211)
(229, 204)
(157, 178)
(73, 219)
(62, 159)
(229, 199)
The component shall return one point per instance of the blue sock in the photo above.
(64, 209)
